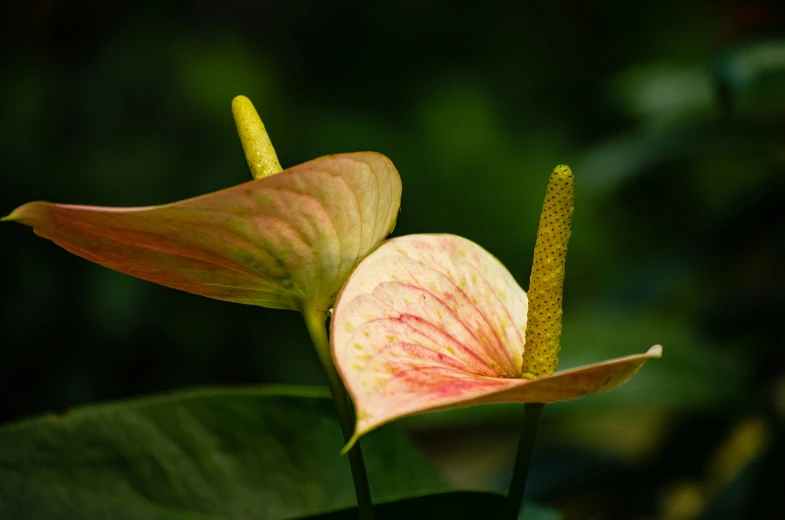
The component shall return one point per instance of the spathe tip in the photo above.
(350, 444)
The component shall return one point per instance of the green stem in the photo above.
(315, 322)
(531, 421)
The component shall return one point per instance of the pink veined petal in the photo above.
(430, 322)
(275, 242)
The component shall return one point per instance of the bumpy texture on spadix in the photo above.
(259, 151)
(431, 322)
(280, 241)
(546, 285)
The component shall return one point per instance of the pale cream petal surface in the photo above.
(424, 308)
(430, 322)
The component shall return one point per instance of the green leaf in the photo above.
(255, 453)
(453, 505)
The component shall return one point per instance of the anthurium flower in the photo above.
(431, 322)
(287, 239)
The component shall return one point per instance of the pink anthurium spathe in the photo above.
(431, 322)
(284, 240)
(288, 240)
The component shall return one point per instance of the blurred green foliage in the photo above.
(253, 452)
(672, 115)
(460, 504)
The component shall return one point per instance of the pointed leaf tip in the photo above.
(24, 214)
(350, 443)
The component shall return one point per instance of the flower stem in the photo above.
(531, 421)
(315, 322)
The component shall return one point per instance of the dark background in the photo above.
(672, 115)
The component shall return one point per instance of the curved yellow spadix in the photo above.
(258, 148)
(546, 285)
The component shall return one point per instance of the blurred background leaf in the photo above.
(258, 452)
(672, 115)
(456, 504)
